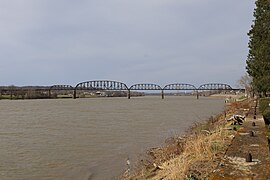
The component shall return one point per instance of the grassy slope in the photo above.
(193, 156)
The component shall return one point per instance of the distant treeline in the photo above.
(45, 92)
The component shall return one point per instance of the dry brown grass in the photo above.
(199, 151)
(240, 105)
(194, 156)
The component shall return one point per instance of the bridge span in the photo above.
(109, 85)
(103, 85)
(60, 88)
(146, 86)
(215, 86)
(100, 85)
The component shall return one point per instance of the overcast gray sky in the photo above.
(44, 42)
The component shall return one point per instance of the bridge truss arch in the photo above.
(215, 86)
(61, 87)
(145, 86)
(180, 86)
(100, 85)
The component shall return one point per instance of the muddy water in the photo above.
(89, 138)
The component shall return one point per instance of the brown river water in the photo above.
(90, 138)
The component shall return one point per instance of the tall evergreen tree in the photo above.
(258, 61)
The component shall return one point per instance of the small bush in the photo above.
(266, 116)
(265, 109)
(216, 146)
(264, 104)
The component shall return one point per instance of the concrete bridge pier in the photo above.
(197, 94)
(162, 94)
(50, 96)
(74, 94)
(128, 95)
(11, 94)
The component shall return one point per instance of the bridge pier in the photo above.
(162, 94)
(74, 94)
(11, 94)
(128, 95)
(50, 96)
(198, 95)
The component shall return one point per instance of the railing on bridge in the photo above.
(100, 85)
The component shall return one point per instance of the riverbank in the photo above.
(195, 155)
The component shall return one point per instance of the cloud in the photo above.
(133, 41)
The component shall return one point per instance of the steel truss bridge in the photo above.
(103, 85)
(108, 85)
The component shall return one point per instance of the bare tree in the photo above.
(245, 82)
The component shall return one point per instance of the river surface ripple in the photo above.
(89, 138)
